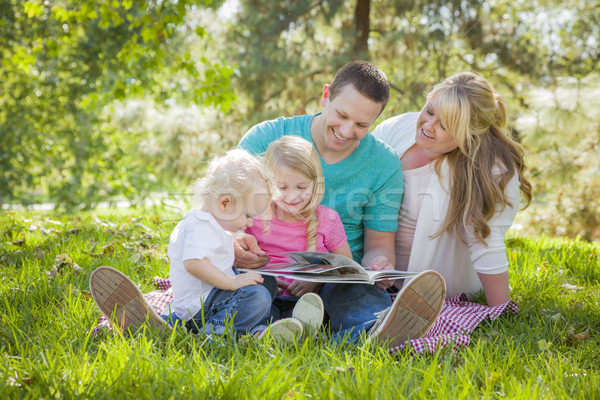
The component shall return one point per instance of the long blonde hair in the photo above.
(486, 157)
(300, 156)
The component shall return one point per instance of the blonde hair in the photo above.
(236, 173)
(300, 156)
(486, 158)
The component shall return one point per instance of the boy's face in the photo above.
(237, 214)
(345, 120)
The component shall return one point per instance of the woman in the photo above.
(462, 178)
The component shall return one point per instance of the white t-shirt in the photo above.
(415, 185)
(457, 262)
(198, 235)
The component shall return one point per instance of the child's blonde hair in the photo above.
(300, 156)
(237, 174)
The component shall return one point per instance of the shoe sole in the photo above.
(121, 302)
(309, 310)
(284, 330)
(414, 311)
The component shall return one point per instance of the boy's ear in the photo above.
(224, 202)
(325, 95)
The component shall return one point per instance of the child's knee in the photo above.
(259, 296)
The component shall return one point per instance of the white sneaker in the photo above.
(283, 330)
(121, 302)
(309, 311)
(413, 311)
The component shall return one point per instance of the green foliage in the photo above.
(62, 62)
(562, 124)
(172, 142)
(76, 76)
(547, 350)
(290, 51)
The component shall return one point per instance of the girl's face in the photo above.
(432, 137)
(295, 192)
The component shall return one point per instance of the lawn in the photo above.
(550, 349)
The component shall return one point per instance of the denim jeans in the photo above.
(352, 307)
(248, 308)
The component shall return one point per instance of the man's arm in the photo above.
(380, 252)
(247, 252)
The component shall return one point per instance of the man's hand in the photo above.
(247, 252)
(382, 263)
(379, 253)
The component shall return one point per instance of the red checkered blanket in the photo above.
(452, 328)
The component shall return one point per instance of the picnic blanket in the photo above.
(456, 321)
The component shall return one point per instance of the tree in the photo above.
(62, 63)
(287, 50)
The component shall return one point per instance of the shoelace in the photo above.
(380, 317)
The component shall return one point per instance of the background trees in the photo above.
(122, 97)
(63, 62)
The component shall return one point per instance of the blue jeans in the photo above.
(248, 308)
(352, 307)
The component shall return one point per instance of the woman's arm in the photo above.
(490, 261)
(495, 287)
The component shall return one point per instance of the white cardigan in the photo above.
(456, 261)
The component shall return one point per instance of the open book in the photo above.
(325, 267)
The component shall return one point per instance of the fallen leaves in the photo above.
(62, 264)
(574, 339)
(572, 288)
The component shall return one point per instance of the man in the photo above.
(363, 183)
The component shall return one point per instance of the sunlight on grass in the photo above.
(548, 350)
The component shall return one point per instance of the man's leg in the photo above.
(352, 308)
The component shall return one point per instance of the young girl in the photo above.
(207, 290)
(297, 221)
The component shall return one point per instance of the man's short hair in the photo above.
(367, 79)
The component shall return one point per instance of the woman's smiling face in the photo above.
(432, 137)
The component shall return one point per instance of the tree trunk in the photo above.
(360, 50)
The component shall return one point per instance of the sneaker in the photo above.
(284, 330)
(413, 311)
(309, 311)
(121, 302)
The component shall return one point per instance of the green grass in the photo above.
(550, 349)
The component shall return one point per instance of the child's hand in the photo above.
(300, 288)
(246, 279)
(281, 286)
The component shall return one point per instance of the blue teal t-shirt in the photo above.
(365, 188)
